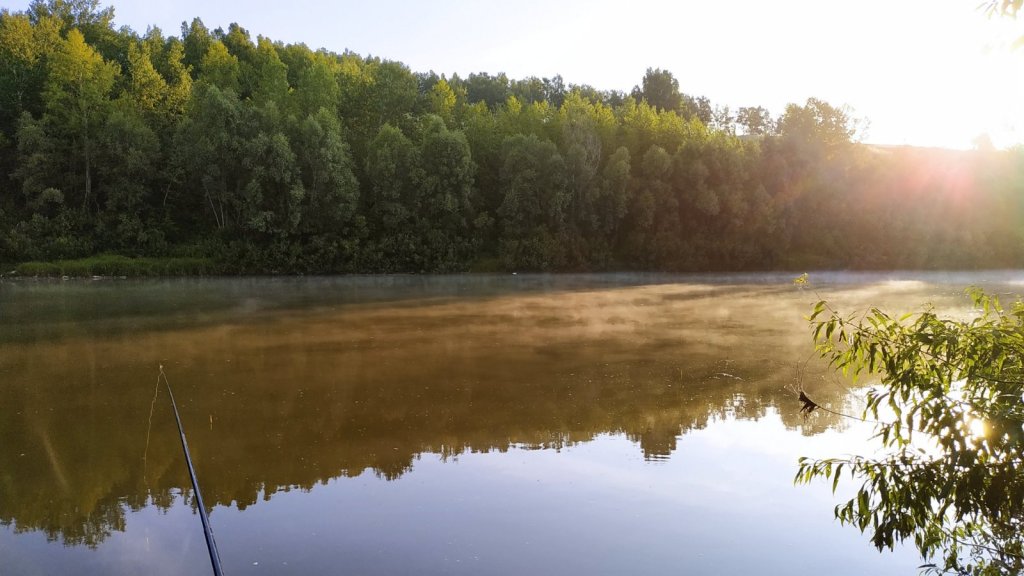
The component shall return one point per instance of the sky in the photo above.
(921, 72)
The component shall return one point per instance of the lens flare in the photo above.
(977, 427)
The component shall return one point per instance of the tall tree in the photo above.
(392, 201)
(77, 101)
(147, 89)
(195, 40)
(316, 86)
(270, 75)
(96, 24)
(207, 153)
(220, 68)
(660, 89)
(482, 87)
(610, 207)
(394, 91)
(583, 146)
(331, 191)
(533, 208)
(817, 123)
(80, 14)
(446, 211)
(443, 100)
(127, 168)
(24, 48)
(756, 120)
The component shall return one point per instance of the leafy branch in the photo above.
(958, 490)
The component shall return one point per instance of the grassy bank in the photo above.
(111, 265)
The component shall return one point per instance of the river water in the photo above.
(591, 424)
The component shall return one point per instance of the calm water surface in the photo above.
(603, 424)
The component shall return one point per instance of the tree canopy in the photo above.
(273, 157)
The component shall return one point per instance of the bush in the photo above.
(950, 413)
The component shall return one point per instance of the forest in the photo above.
(266, 157)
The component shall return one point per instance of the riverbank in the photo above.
(113, 265)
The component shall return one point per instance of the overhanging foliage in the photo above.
(950, 424)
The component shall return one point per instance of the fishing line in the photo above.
(211, 544)
(149, 428)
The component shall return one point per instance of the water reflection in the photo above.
(288, 386)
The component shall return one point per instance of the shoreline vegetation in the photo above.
(255, 156)
(108, 265)
(112, 266)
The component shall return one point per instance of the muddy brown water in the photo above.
(591, 424)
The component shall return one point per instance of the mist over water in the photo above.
(599, 424)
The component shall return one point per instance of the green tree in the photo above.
(445, 194)
(755, 120)
(443, 100)
(220, 68)
(656, 233)
(127, 165)
(374, 93)
(582, 144)
(239, 44)
(271, 74)
(534, 203)
(394, 92)
(331, 192)
(178, 78)
(701, 108)
(196, 41)
(330, 229)
(818, 126)
(950, 419)
(206, 152)
(660, 89)
(271, 199)
(147, 89)
(485, 139)
(316, 86)
(77, 101)
(51, 228)
(81, 14)
(491, 90)
(24, 48)
(607, 205)
(94, 23)
(393, 173)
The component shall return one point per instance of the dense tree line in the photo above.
(275, 157)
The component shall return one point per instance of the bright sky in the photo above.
(923, 72)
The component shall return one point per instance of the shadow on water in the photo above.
(288, 383)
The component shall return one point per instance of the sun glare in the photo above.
(977, 427)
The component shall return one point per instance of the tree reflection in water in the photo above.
(277, 397)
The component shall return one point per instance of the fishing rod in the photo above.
(211, 544)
